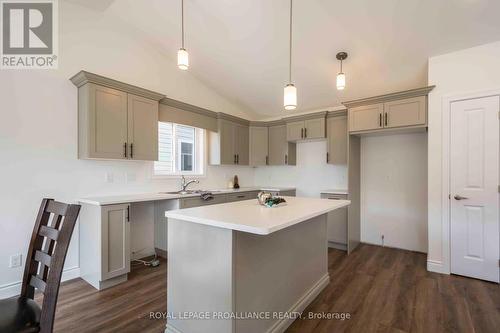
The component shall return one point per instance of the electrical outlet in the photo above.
(108, 177)
(16, 260)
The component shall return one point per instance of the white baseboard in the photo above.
(14, 288)
(437, 267)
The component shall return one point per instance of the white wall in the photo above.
(394, 190)
(38, 131)
(468, 71)
(311, 175)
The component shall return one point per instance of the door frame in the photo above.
(445, 265)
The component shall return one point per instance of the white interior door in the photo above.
(474, 180)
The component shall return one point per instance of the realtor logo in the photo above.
(29, 34)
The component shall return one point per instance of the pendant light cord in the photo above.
(182, 24)
(290, 59)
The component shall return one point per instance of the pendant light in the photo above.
(341, 76)
(290, 92)
(182, 54)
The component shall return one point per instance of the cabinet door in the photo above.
(314, 128)
(243, 143)
(227, 142)
(406, 112)
(258, 145)
(367, 117)
(337, 140)
(115, 241)
(277, 145)
(295, 130)
(142, 128)
(107, 132)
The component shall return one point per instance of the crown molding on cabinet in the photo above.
(336, 113)
(84, 77)
(269, 123)
(221, 115)
(321, 114)
(188, 107)
(424, 91)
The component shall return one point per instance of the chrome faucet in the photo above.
(185, 184)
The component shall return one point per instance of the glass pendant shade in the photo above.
(340, 81)
(182, 59)
(290, 97)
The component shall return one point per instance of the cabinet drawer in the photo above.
(198, 201)
(241, 196)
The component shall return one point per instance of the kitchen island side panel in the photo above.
(280, 272)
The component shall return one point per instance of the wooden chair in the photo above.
(43, 269)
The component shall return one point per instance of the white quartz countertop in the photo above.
(154, 196)
(335, 191)
(249, 216)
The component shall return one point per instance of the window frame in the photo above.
(199, 153)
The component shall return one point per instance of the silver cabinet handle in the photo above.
(459, 197)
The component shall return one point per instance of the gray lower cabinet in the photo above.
(115, 240)
(337, 140)
(197, 201)
(259, 141)
(104, 244)
(337, 223)
(281, 152)
(241, 196)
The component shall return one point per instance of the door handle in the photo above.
(234, 159)
(380, 120)
(237, 158)
(385, 118)
(286, 159)
(459, 197)
(305, 132)
(131, 150)
(301, 133)
(125, 149)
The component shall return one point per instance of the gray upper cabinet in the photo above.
(314, 128)
(295, 130)
(230, 145)
(406, 112)
(116, 120)
(281, 152)
(366, 117)
(259, 140)
(102, 121)
(142, 128)
(400, 110)
(306, 128)
(337, 140)
(242, 145)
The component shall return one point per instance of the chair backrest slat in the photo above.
(48, 232)
(38, 283)
(46, 255)
(43, 257)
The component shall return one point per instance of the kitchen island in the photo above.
(242, 267)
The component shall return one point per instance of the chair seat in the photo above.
(19, 315)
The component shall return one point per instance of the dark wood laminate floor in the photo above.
(383, 290)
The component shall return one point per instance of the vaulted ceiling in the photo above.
(240, 47)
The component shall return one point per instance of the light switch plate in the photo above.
(16, 260)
